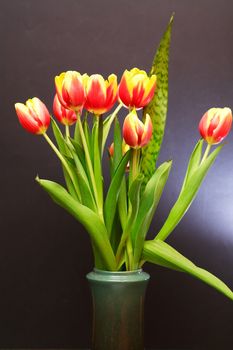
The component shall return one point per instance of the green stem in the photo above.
(129, 251)
(88, 159)
(135, 163)
(67, 132)
(206, 152)
(63, 161)
(110, 121)
(116, 110)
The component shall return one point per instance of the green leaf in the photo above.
(77, 136)
(72, 186)
(69, 184)
(117, 155)
(87, 133)
(122, 203)
(148, 205)
(60, 139)
(107, 125)
(113, 193)
(134, 197)
(194, 162)
(97, 137)
(79, 151)
(86, 193)
(187, 196)
(157, 108)
(106, 128)
(159, 252)
(90, 220)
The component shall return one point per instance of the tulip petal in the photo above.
(41, 111)
(58, 84)
(73, 90)
(64, 115)
(25, 119)
(124, 91)
(147, 133)
(129, 131)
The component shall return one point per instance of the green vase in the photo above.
(118, 309)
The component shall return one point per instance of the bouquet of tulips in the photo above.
(118, 219)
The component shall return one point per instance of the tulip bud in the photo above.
(111, 150)
(125, 149)
(215, 125)
(135, 133)
(70, 87)
(101, 94)
(136, 89)
(64, 115)
(33, 116)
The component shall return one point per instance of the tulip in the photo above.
(64, 115)
(215, 125)
(33, 115)
(101, 94)
(70, 87)
(136, 89)
(135, 133)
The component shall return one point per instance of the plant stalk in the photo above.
(207, 150)
(63, 161)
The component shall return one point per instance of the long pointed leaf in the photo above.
(134, 197)
(159, 251)
(113, 193)
(148, 205)
(157, 108)
(187, 196)
(194, 162)
(91, 221)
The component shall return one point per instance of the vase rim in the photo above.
(120, 273)
(117, 276)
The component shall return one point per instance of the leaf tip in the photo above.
(172, 18)
(37, 178)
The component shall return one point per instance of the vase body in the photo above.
(118, 309)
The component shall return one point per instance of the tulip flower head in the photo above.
(101, 94)
(33, 116)
(135, 133)
(215, 125)
(64, 115)
(136, 89)
(70, 87)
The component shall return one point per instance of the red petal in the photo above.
(129, 132)
(25, 119)
(123, 92)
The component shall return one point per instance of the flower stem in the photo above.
(63, 161)
(67, 132)
(88, 160)
(206, 152)
(129, 251)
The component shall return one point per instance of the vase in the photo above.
(118, 309)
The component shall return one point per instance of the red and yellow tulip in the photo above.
(70, 87)
(64, 115)
(215, 124)
(33, 116)
(136, 89)
(101, 94)
(135, 133)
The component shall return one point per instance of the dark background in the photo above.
(44, 253)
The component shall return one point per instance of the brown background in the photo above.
(44, 253)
